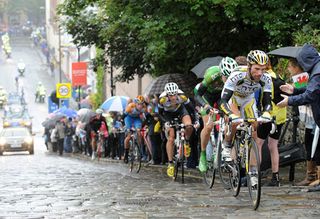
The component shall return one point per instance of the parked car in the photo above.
(16, 139)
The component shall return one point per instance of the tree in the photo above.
(168, 36)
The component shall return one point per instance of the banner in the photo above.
(79, 73)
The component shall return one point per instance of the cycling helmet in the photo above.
(140, 99)
(39, 83)
(171, 88)
(257, 57)
(99, 111)
(212, 73)
(227, 65)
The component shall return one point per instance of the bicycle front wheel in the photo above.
(135, 158)
(254, 174)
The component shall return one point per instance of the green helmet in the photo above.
(212, 73)
(227, 65)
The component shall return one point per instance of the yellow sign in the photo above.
(64, 90)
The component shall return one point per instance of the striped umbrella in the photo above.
(115, 104)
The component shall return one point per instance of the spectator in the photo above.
(61, 130)
(309, 59)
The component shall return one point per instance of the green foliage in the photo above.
(97, 98)
(167, 36)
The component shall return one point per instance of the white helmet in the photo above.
(171, 88)
(257, 57)
(39, 83)
(227, 65)
(99, 111)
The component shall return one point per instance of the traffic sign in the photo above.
(64, 90)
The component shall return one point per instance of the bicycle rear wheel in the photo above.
(210, 175)
(224, 169)
(235, 178)
(254, 174)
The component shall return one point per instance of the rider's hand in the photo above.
(196, 124)
(167, 125)
(287, 88)
(208, 109)
(266, 116)
(234, 117)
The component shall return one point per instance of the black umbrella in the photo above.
(186, 83)
(286, 52)
(51, 122)
(201, 67)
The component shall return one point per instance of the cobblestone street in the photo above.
(49, 186)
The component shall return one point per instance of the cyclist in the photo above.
(174, 104)
(207, 95)
(95, 124)
(40, 90)
(240, 88)
(134, 114)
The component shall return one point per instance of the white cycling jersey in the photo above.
(242, 86)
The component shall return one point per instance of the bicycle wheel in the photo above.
(99, 149)
(182, 161)
(223, 167)
(136, 158)
(254, 174)
(210, 175)
(234, 176)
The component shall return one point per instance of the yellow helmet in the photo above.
(257, 57)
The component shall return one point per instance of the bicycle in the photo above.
(134, 152)
(246, 155)
(179, 142)
(215, 161)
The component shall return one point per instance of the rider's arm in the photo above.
(130, 107)
(199, 91)
(225, 97)
(266, 101)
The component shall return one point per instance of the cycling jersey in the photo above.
(132, 110)
(182, 107)
(167, 105)
(242, 87)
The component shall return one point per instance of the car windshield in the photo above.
(14, 132)
(14, 99)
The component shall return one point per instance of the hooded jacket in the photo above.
(309, 60)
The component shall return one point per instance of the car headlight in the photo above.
(28, 140)
(6, 124)
(2, 141)
(27, 123)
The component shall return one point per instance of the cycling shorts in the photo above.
(131, 121)
(265, 128)
(246, 105)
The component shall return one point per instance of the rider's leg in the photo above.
(205, 136)
(170, 152)
(169, 146)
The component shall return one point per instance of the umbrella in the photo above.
(85, 115)
(202, 66)
(286, 52)
(66, 111)
(186, 83)
(51, 122)
(115, 104)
